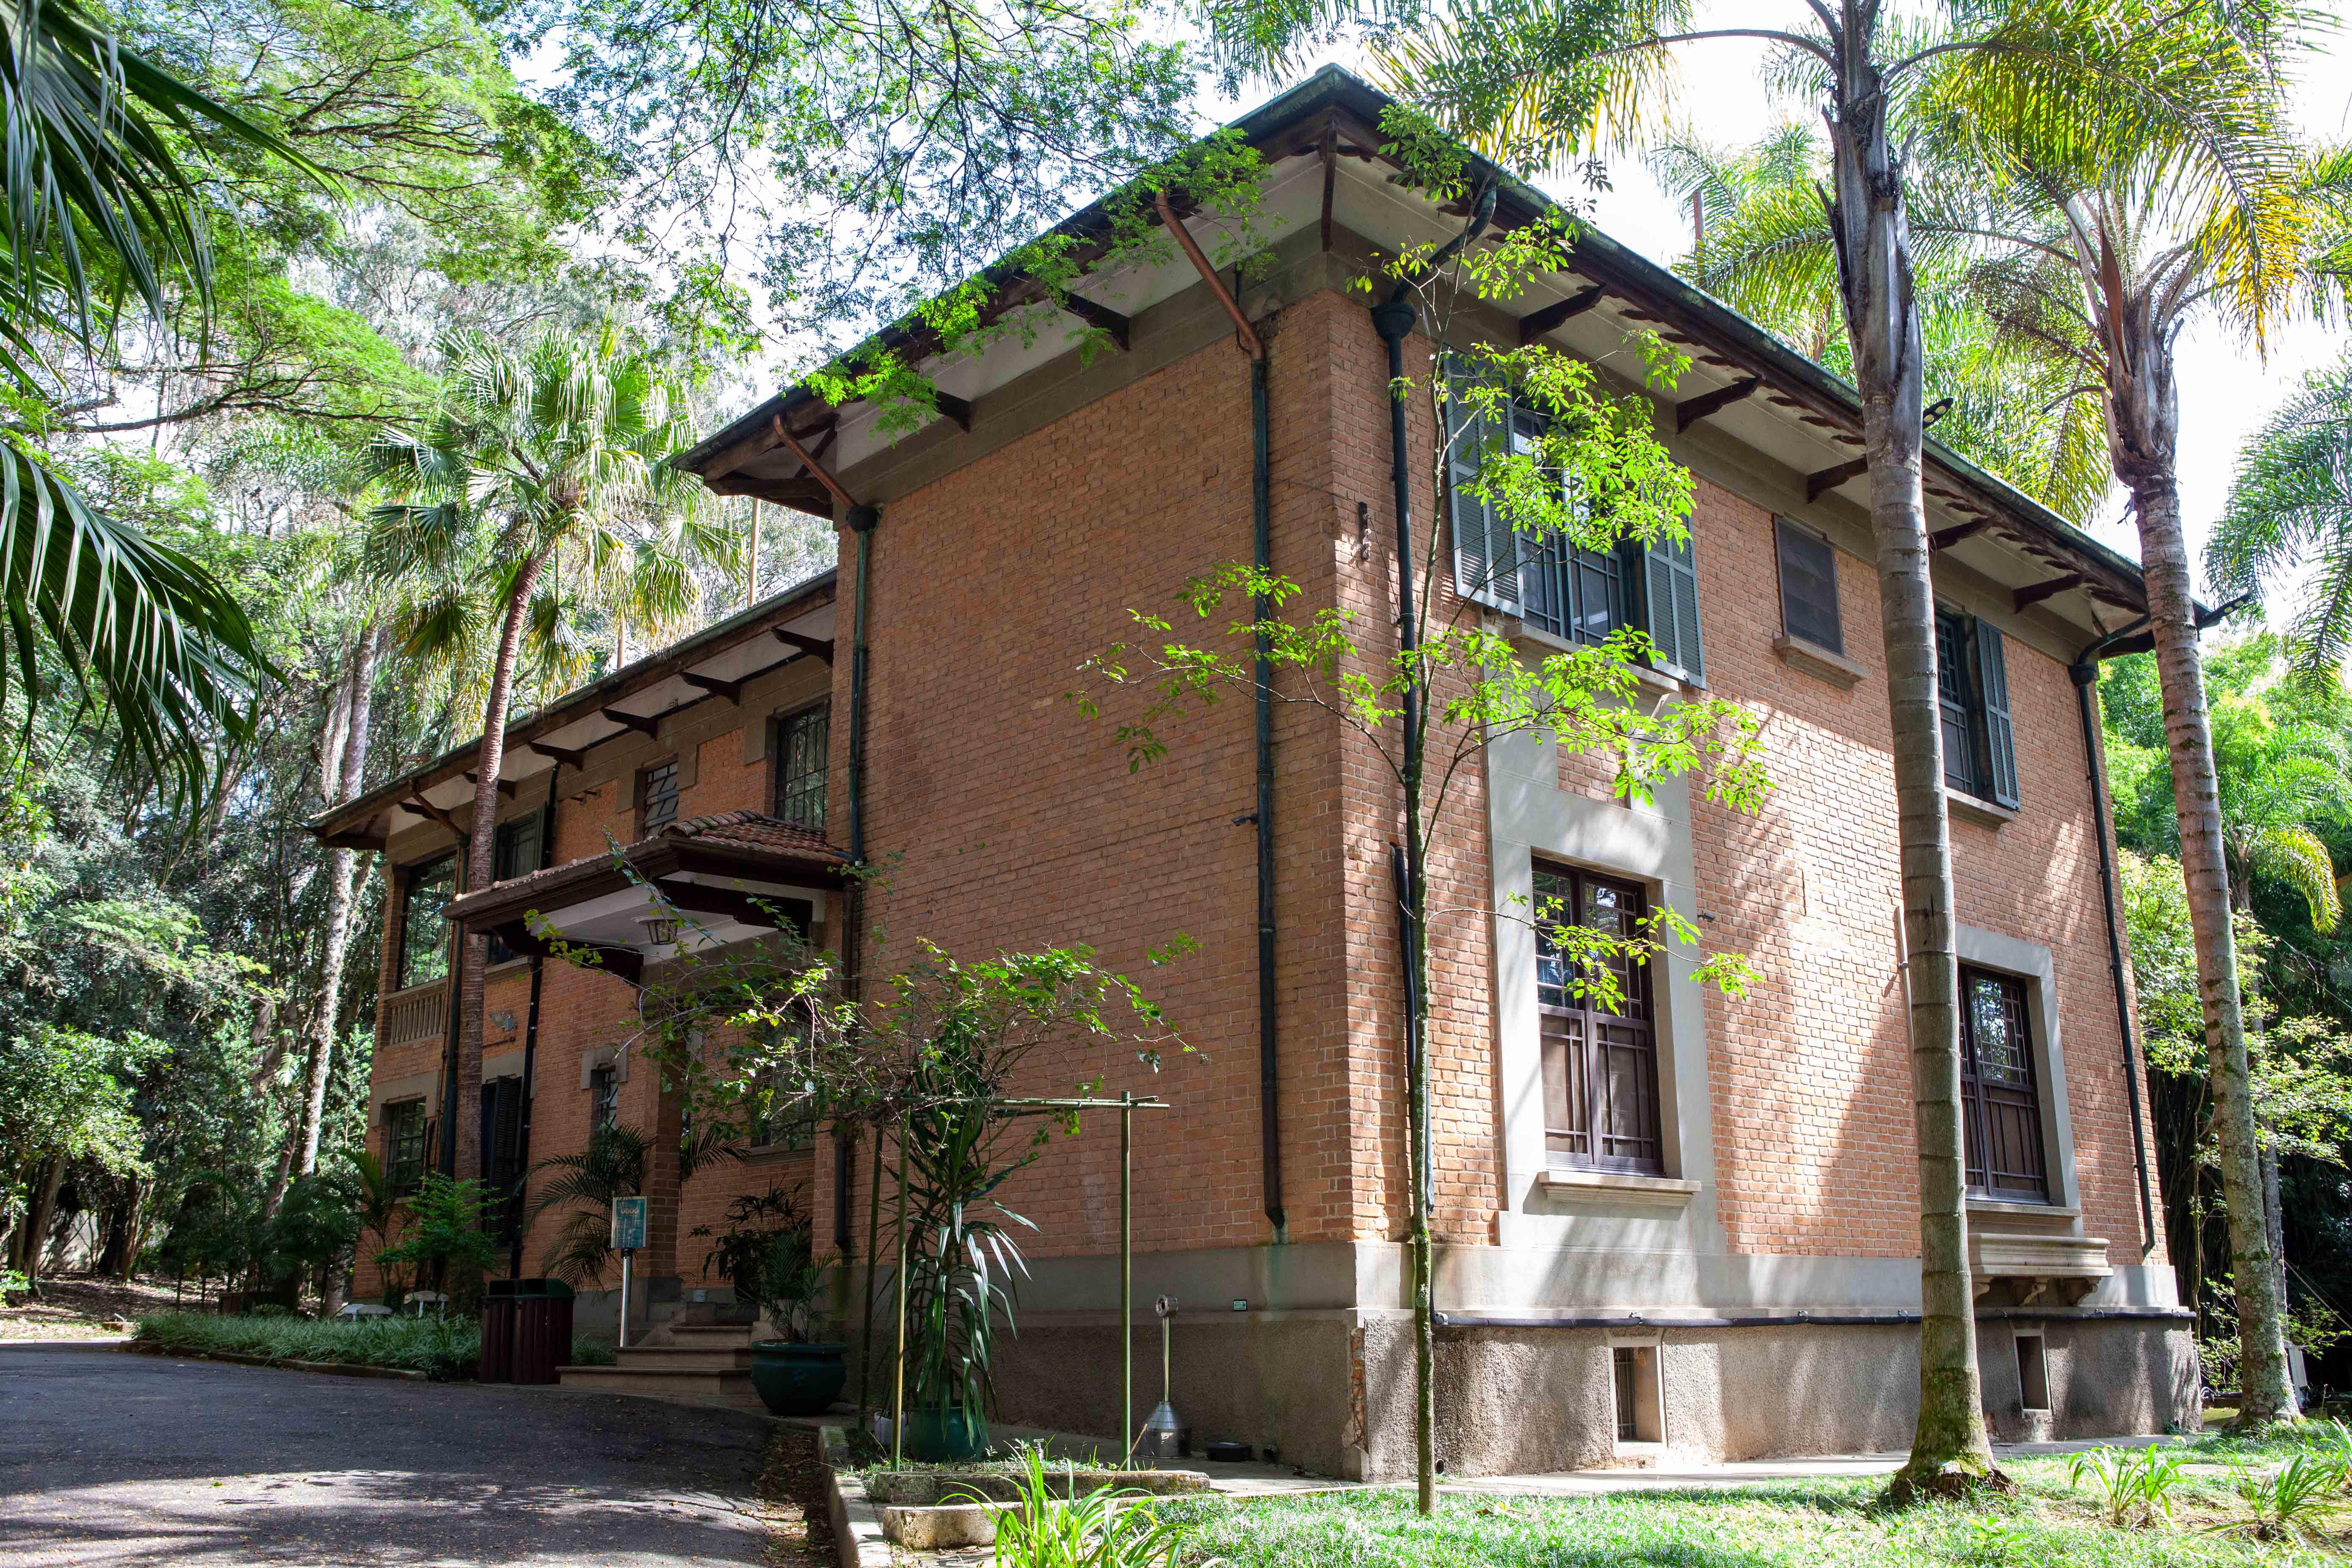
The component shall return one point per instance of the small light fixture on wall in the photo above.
(502, 1021)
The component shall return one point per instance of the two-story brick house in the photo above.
(1693, 1222)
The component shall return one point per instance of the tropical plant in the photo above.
(790, 1292)
(754, 1221)
(2288, 523)
(1106, 1528)
(2134, 1486)
(2293, 1502)
(444, 1240)
(314, 1229)
(555, 446)
(611, 1164)
(92, 187)
(377, 1204)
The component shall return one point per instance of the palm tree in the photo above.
(611, 1166)
(557, 446)
(2093, 270)
(1539, 83)
(2290, 509)
(1764, 246)
(88, 184)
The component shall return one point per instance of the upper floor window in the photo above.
(518, 851)
(604, 1097)
(1600, 1053)
(657, 794)
(403, 1144)
(2001, 1101)
(1972, 687)
(1578, 594)
(424, 940)
(1809, 603)
(801, 740)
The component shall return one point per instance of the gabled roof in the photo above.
(1335, 117)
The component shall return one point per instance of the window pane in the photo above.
(1809, 606)
(424, 940)
(1959, 708)
(800, 768)
(604, 1097)
(661, 795)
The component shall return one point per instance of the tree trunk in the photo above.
(343, 780)
(481, 868)
(2143, 435)
(1882, 315)
(33, 1242)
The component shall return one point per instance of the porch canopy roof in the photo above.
(730, 877)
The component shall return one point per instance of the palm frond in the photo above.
(2294, 855)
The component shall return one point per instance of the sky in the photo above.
(2227, 390)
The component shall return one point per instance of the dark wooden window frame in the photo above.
(604, 1096)
(779, 724)
(646, 824)
(2002, 1101)
(406, 1140)
(1600, 1080)
(1972, 702)
(410, 876)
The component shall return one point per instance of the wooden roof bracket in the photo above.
(1827, 480)
(821, 474)
(1252, 344)
(643, 723)
(418, 803)
(2033, 594)
(815, 648)
(730, 689)
(506, 787)
(1944, 538)
(1536, 323)
(1689, 413)
(1119, 329)
(561, 757)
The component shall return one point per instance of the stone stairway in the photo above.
(690, 1359)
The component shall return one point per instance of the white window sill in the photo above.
(2023, 1210)
(1571, 1180)
(1819, 662)
(1975, 809)
(1540, 642)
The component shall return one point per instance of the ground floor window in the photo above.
(1600, 1055)
(403, 1144)
(2001, 1098)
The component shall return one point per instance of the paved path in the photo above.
(135, 1461)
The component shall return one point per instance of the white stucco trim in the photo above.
(2032, 962)
(1531, 818)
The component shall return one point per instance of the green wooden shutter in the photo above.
(2001, 741)
(1486, 555)
(1670, 588)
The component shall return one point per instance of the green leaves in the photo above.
(2289, 514)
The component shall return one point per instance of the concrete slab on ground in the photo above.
(152, 1462)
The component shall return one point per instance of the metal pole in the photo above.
(898, 1390)
(1127, 1268)
(873, 1251)
(625, 1298)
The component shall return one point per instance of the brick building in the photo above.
(1695, 1224)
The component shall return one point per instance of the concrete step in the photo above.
(687, 1358)
(729, 1390)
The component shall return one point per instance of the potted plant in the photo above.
(754, 1223)
(795, 1374)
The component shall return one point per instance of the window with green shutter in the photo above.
(1972, 687)
(1577, 595)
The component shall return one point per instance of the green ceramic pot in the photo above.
(946, 1434)
(796, 1379)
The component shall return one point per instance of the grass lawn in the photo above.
(443, 1348)
(1794, 1524)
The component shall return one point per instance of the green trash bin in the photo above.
(543, 1340)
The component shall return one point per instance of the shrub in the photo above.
(444, 1349)
(2293, 1502)
(587, 1351)
(2134, 1486)
(1107, 1527)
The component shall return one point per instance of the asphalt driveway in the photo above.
(131, 1460)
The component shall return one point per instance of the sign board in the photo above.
(628, 1224)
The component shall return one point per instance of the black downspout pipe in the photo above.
(863, 520)
(1268, 1036)
(2085, 674)
(530, 1039)
(1394, 320)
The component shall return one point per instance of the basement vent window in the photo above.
(2033, 1372)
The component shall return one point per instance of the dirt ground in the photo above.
(793, 1485)
(83, 1306)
